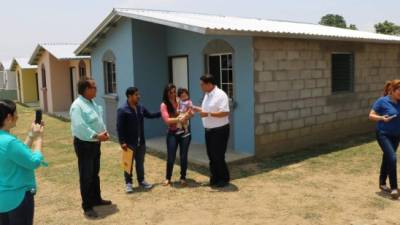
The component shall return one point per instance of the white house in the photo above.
(8, 81)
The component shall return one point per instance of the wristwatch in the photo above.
(94, 136)
(30, 134)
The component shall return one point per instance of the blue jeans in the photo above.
(389, 146)
(22, 215)
(139, 165)
(173, 141)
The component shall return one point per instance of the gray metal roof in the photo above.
(61, 51)
(6, 64)
(22, 62)
(229, 25)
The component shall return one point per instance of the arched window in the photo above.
(110, 76)
(43, 72)
(82, 69)
(219, 63)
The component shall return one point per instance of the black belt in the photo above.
(82, 141)
(217, 128)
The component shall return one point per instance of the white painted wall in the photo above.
(10, 80)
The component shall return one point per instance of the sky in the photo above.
(25, 23)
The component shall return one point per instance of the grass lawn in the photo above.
(327, 185)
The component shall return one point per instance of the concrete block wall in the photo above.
(295, 107)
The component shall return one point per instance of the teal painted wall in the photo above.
(119, 41)
(151, 70)
(142, 51)
(181, 42)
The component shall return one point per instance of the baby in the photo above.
(184, 108)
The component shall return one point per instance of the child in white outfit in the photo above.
(184, 108)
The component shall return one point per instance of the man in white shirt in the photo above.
(215, 116)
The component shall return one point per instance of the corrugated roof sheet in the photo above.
(22, 62)
(229, 25)
(6, 64)
(61, 51)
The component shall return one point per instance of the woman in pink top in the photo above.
(169, 113)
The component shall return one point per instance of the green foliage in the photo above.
(353, 27)
(334, 20)
(387, 27)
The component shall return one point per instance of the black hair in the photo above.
(181, 91)
(170, 107)
(84, 84)
(208, 79)
(7, 107)
(131, 91)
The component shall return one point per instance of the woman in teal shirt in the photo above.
(17, 171)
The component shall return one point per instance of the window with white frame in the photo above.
(219, 63)
(110, 76)
(220, 66)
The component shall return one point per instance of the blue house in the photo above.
(285, 80)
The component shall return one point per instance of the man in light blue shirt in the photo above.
(88, 130)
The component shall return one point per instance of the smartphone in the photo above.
(38, 117)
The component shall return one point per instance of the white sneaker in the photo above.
(146, 185)
(394, 193)
(128, 188)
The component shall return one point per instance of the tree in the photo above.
(353, 27)
(333, 21)
(387, 28)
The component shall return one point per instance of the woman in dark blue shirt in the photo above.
(386, 112)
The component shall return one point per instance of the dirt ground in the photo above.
(334, 184)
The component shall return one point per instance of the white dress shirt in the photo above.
(215, 101)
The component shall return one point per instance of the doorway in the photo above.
(179, 71)
(73, 82)
(44, 89)
(19, 86)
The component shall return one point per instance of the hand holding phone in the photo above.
(38, 117)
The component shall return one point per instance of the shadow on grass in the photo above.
(139, 189)
(190, 184)
(105, 211)
(270, 164)
(230, 188)
(256, 166)
(385, 195)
